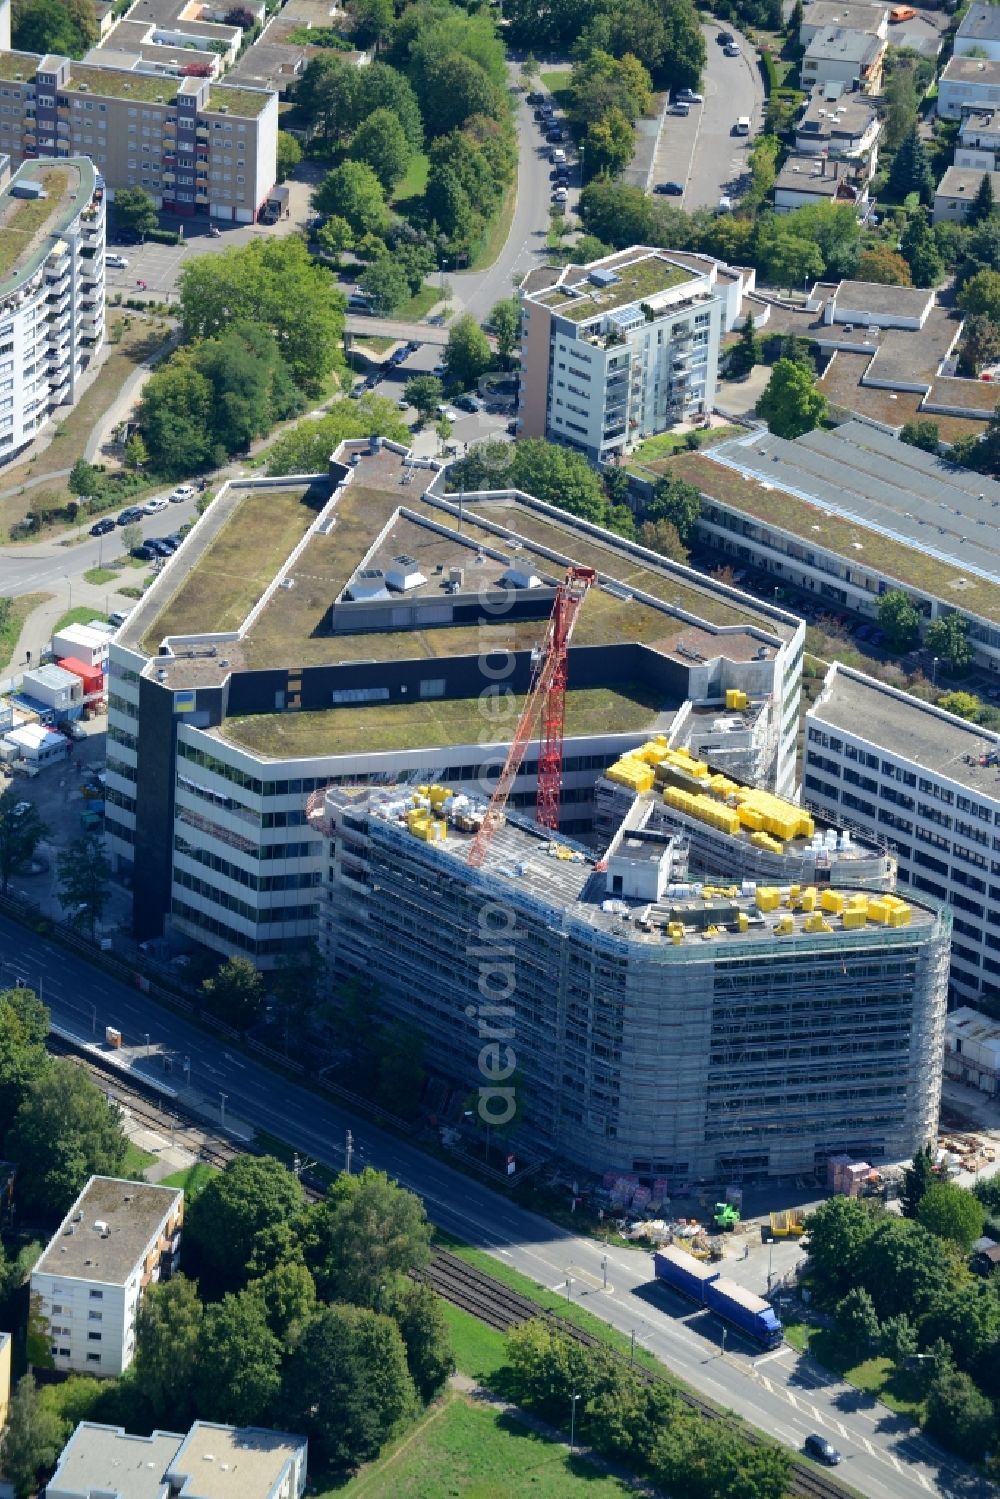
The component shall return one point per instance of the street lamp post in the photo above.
(934, 667)
(604, 1268)
(93, 1020)
(222, 1109)
(69, 584)
(146, 1039)
(724, 1332)
(569, 1286)
(572, 1423)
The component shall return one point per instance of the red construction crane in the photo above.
(546, 695)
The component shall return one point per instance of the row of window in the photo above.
(263, 916)
(301, 880)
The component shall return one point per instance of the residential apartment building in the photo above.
(852, 513)
(978, 33)
(210, 1462)
(807, 180)
(369, 656)
(979, 140)
(927, 784)
(842, 55)
(956, 192)
(841, 127)
(624, 347)
(968, 83)
(192, 144)
(825, 15)
(51, 293)
(89, 1280)
(655, 1020)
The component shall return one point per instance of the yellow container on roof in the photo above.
(768, 898)
(901, 915)
(742, 921)
(633, 773)
(878, 911)
(832, 900)
(784, 926)
(854, 918)
(735, 699)
(816, 922)
(750, 817)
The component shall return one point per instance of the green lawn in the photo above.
(479, 1350)
(477, 1452)
(136, 1160)
(80, 614)
(12, 623)
(558, 85)
(414, 184)
(192, 1179)
(900, 1390)
(496, 234)
(663, 444)
(419, 306)
(373, 345)
(99, 575)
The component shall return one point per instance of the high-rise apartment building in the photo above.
(51, 292)
(194, 145)
(623, 347)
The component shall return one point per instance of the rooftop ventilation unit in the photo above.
(603, 278)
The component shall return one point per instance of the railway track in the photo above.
(454, 1279)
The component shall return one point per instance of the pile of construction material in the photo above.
(849, 1178)
(965, 1152)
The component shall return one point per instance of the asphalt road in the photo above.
(780, 1392)
(700, 151)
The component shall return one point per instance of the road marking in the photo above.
(842, 1429)
(767, 1357)
(792, 1398)
(241, 1065)
(923, 1479)
(821, 1419)
(868, 1446)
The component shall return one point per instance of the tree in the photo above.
(857, 1319)
(911, 169)
(959, 1414)
(443, 429)
(901, 98)
(238, 1373)
(21, 831)
(288, 156)
(175, 417)
(236, 993)
(920, 252)
(288, 1295)
(425, 392)
(429, 1357)
(382, 87)
(560, 476)
(327, 97)
(505, 321)
(467, 354)
(354, 193)
(167, 1343)
(948, 637)
(791, 404)
(135, 212)
(84, 479)
(609, 144)
(85, 881)
(898, 1338)
(64, 1132)
(24, 1024)
(307, 447)
(46, 26)
(385, 282)
(455, 89)
(136, 453)
(253, 1195)
(32, 1438)
(372, 20)
(962, 704)
(275, 284)
(787, 255)
(899, 619)
(980, 295)
(951, 1212)
(600, 83)
(982, 205)
(661, 536)
(923, 434)
(745, 354)
(883, 264)
(980, 345)
(381, 142)
(839, 1233)
(676, 501)
(363, 1235)
(347, 1385)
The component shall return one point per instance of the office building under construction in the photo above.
(639, 1014)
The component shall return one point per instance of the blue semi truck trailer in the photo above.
(733, 1303)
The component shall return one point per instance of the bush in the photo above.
(163, 236)
(769, 71)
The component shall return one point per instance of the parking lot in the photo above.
(467, 427)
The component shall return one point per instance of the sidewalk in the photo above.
(124, 401)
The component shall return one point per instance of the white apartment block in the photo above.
(116, 1238)
(51, 295)
(928, 785)
(968, 83)
(978, 33)
(211, 1462)
(624, 347)
(979, 140)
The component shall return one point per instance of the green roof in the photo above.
(893, 558)
(245, 102)
(637, 282)
(12, 63)
(122, 83)
(28, 226)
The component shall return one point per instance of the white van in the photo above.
(743, 125)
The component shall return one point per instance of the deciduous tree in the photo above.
(134, 212)
(64, 1132)
(791, 404)
(32, 1438)
(609, 144)
(84, 881)
(959, 1414)
(167, 1333)
(948, 637)
(923, 434)
(253, 1195)
(505, 321)
(429, 1357)
(238, 1372)
(365, 1234)
(883, 264)
(380, 141)
(288, 156)
(980, 295)
(951, 1212)
(899, 619)
(236, 993)
(467, 353)
(385, 283)
(307, 447)
(425, 392)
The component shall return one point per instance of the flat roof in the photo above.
(844, 115)
(976, 119)
(965, 182)
(226, 1462)
(109, 1460)
(942, 744)
(981, 23)
(844, 44)
(245, 542)
(811, 174)
(638, 275)
(971, 70)
(864, 476)
(133, 1211)
(872, 296)
(30, 227)
(844, 13)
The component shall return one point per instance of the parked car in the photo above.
(731, 50)
(403, 404)
(540, 114)
(554, 135)
(821, 1449)
(559, 195)
(130, 516)
(725, 204)
(116, 262)
(688, 96)
(181, 493)
(468, 402)
(144, 552)
(726, 39)
(445, 413)
(411, 348)
(117, 617)
(672, 189)
(157, 503)
(680, 109)
(742, 126)
(71, 728)
(535, 98)
(102, 527)
(557, 158)
(440, 370)
(159, 546)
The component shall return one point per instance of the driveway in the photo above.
(700, 151)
